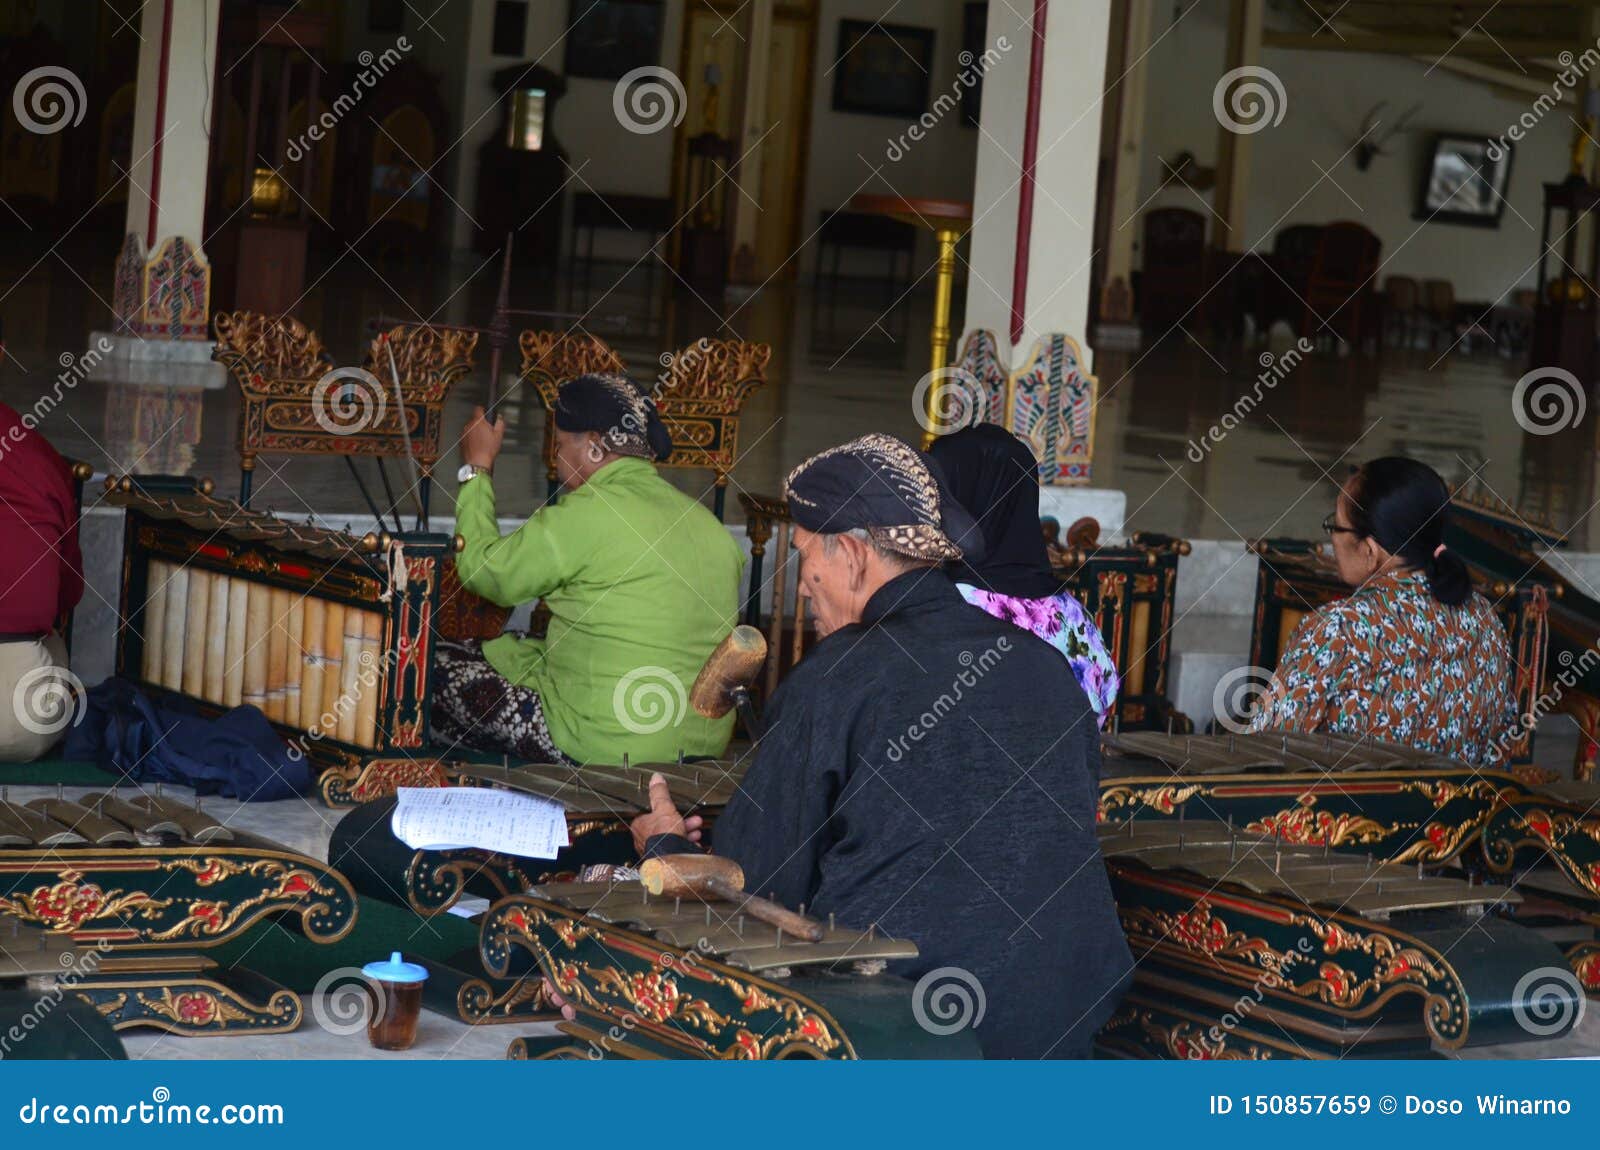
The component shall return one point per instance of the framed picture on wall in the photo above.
(607, 39)
(510, 27)
(974, 29)
(1463, 183)
(386, 15)
(883, 69)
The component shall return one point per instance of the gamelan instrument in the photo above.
(600, 802)
(40, 1018)
(655, 976)
(1130, 591)
(134, 888)
(327, 633)
(1309, 896)
(294, 401)
(1512, 551)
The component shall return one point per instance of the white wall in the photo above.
(1328, 95)
(611, 159)
(606, 156)
(847, 146)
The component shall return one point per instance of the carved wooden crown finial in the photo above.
(428, 359)
(550, 358)
(272, 346)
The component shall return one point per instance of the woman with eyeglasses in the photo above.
(1413, 655)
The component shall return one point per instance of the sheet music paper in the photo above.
(453, 818)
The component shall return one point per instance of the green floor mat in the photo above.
(286, 956)
(50, 772)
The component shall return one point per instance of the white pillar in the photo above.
(1033, 232)
(167, 183)
(1057, 238)
(162, 294)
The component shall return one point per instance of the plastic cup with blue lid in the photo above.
(398, 990)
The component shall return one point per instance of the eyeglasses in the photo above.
(1333, 528)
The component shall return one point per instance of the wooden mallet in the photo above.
(715, 877)
(724, 681)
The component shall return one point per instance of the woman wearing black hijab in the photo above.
(995, 476)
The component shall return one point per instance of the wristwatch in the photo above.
(470, 471)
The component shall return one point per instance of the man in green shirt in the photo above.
(642, 582)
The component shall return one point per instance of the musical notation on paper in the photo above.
(455, 818)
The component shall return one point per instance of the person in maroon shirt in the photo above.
(41, 580)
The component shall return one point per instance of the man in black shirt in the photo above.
(927, 769)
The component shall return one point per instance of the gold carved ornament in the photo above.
(428, 359)
(1166, 798)
(1186, 1041)
(711, 376)
(269, 354)
(550, 358)
(1396, 966)
(210, 918)
(1303, 826)
(194, 1008)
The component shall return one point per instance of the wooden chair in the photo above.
(767, 519)
(1339, 291)
(1294, 253)
(1172, 279)
(1402, 310)
(1439, 304)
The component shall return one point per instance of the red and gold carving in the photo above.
(658, 999)
(1199, 930)
(1395, 963)
(714, 375)
(192, 1008)
(382, 777)
(1304, 826)
(69, 904)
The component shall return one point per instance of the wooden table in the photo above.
(948, 220)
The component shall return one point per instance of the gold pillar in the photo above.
(939, 341)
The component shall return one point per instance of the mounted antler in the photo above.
(1371, 141)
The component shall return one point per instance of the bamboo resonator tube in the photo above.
(305, 662)
(715, 877)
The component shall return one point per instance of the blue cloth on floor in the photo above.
(237, 755)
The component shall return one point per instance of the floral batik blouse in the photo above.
(1393, 663)
(1062, 622)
